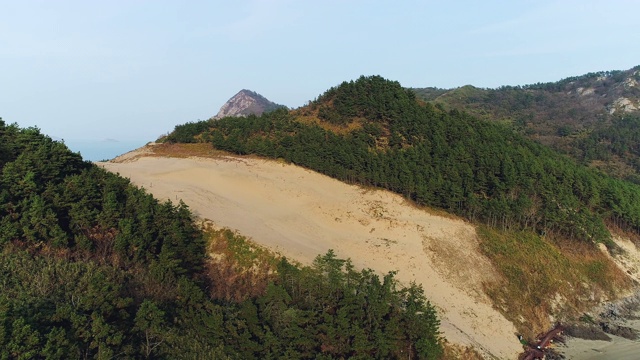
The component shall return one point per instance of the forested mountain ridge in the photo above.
(594, 117)
(539, 214)
(374, 132)
(92, 267)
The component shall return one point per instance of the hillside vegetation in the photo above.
(92, 267)
(542, 213)
(592, 117)
(374, 132)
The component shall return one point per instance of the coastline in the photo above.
(618, 348)
(621, 317)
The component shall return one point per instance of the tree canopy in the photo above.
(567, 115)
(93, 267)
(448, 159)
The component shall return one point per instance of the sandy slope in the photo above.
(301, 214)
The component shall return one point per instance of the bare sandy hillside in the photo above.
(302, 214)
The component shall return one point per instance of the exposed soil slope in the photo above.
(301, 214)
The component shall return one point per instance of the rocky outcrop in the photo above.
(244, 103)
(624, 105)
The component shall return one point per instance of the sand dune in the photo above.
(302, 214)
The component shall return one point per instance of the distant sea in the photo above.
(99, 150)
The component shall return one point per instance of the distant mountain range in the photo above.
(595, 118)
(244, 103)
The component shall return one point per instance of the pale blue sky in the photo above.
(132, 70)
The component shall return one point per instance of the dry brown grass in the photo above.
(459, 352)
(185, 150)
(238, 268)
(597, 265)
(547, 280)
(634, 237)
(354, 124)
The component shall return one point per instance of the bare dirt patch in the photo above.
(301, 214)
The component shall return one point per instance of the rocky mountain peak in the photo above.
(244, 103)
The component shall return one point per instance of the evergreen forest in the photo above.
(374, 132)
(576, 116)
(93, 267)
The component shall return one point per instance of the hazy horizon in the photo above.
(93, 150)
(134, 70)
